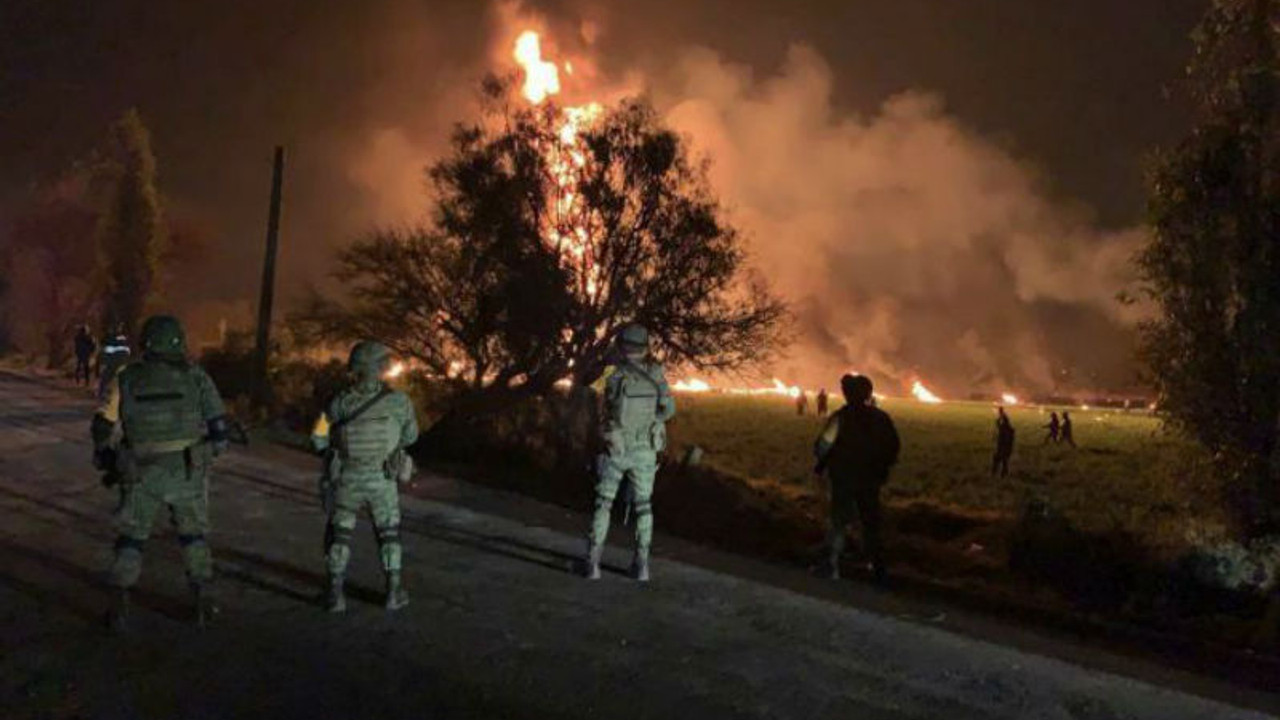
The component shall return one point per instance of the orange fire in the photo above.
(922, 393)
(1009, 399)
(569, 231)
(692, 385)
(396, 370)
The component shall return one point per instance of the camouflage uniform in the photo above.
(173, 424)
(360, 450)
(637, 404)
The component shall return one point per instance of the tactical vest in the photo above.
(366, 442)
(160, 407)
(635, 407)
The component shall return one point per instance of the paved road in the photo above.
(497, 627)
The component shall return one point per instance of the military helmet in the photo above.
(162, 335)
(634, 338)
(369, 358)
(856, 388)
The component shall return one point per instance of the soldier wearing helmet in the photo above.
(173, 424)
(857, 448)
(364, 433)
(637, 405)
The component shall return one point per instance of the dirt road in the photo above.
(497, 627)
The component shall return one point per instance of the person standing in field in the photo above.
(802, 403)
(1066, 433)
(857, 448)
(1053, 428)
(1004, 444)
(84, 346)
(637, 405)
(822, 403)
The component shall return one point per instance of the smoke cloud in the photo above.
(908, 245)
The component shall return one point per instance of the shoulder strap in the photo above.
(385, 391)
(646, 376)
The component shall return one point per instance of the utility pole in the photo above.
(261, 388)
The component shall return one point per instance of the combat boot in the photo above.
(335, 601)
(397, 596)
(205, 608)
(592, 562)
(640, 567)
(117, 617)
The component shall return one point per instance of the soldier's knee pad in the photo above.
(389, 535)
(339, 535)
(643, 508)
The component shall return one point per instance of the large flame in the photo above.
(1010, 399)
(541, 79)
(569, 231)
(922, 393)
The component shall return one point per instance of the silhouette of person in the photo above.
(1065, 434)
(802, 403)
(1053, 428)
(84, 346)
(1004, 444)
(822, 403)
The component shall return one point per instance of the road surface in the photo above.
(497, 627)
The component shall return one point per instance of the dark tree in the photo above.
(51, 263)
(1213, 263)
(552, 228)
(131, 231)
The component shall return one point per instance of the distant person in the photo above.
(857, 448)
(114, 355)
(85, 345)
(802, 403)
(363, 433)
(173, 424)
(822, 403)
(1004, 444)
(1053, 427)
(1066, 433)
(637, 405)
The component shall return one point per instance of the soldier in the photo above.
(637, 405)
(85, 345)
(173, 425)
(1004, 444)
(1052, 427)
(822, 403)
(364, 434)
(115, 354)
(858, 447)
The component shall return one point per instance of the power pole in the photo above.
(261, 388)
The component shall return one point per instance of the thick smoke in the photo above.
(908, 245)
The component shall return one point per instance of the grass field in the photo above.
(1126, 473)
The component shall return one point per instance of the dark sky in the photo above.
(1073, 88)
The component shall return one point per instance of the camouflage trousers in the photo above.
(352, 495)
(637, 467)
(163, 483)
